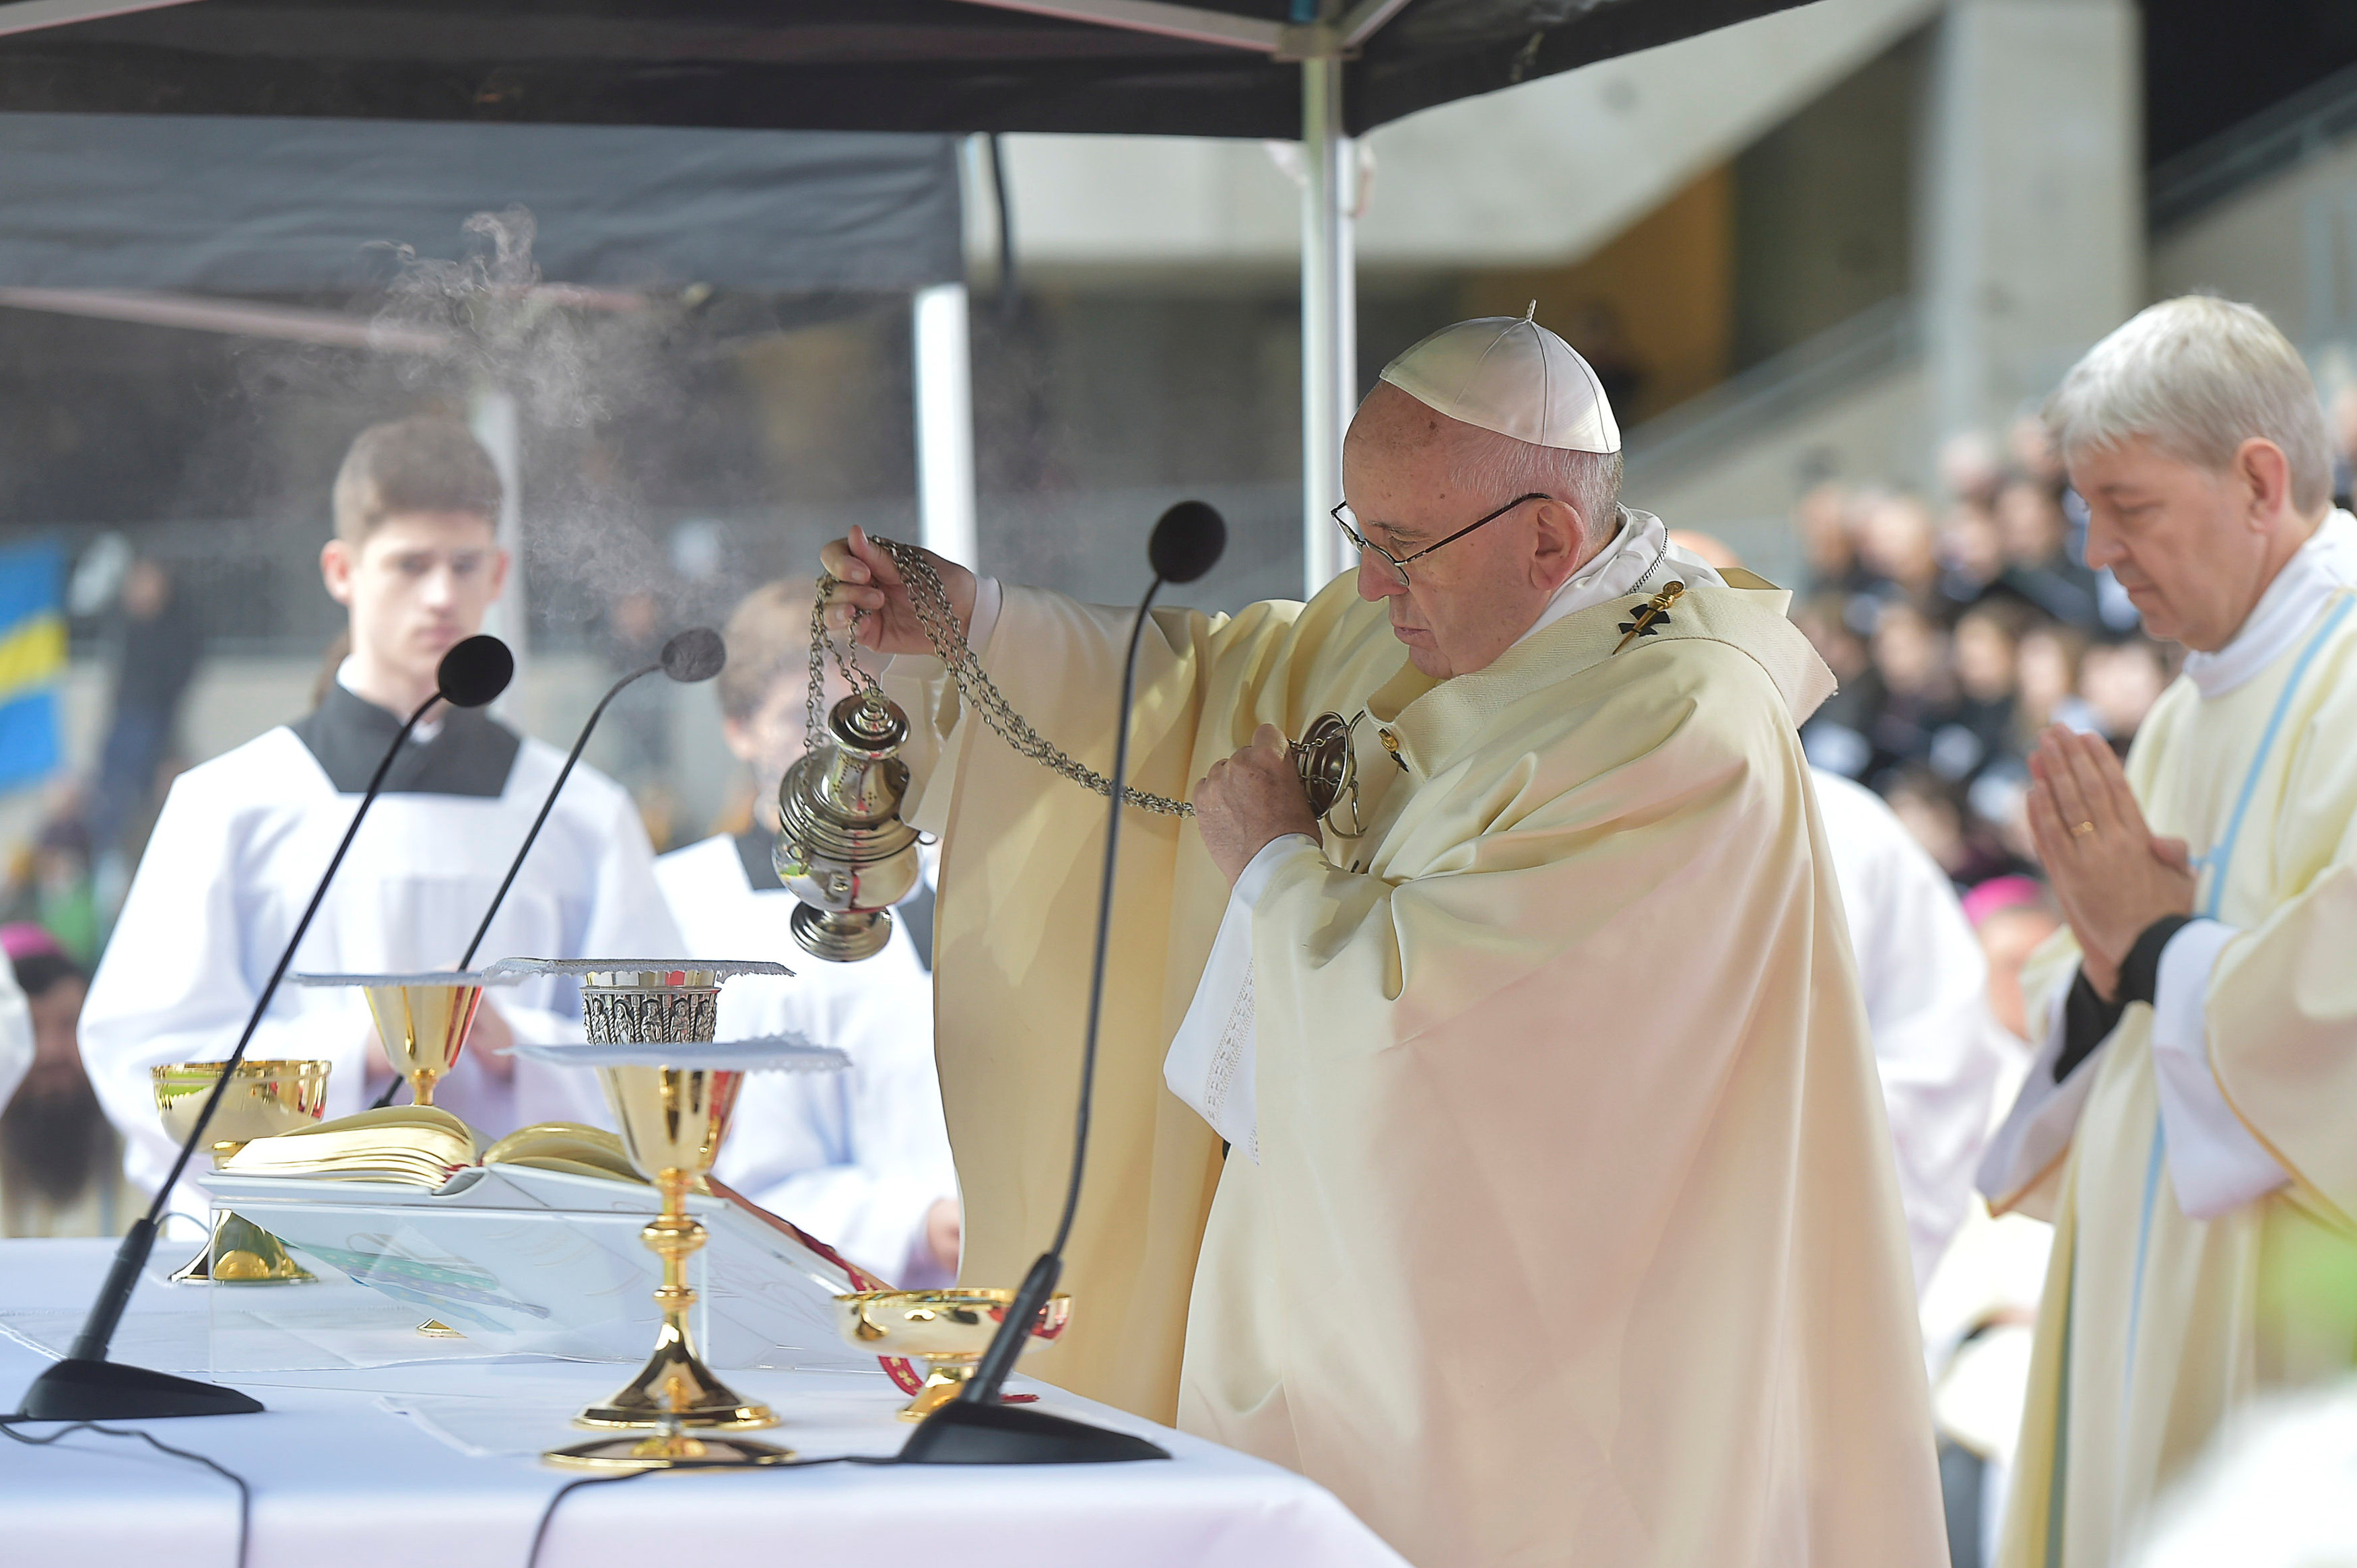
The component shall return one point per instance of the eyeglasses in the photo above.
(1342, 516)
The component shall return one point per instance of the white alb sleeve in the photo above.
(2214, 1163)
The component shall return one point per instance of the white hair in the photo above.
(2197, 376)
(1488, 464)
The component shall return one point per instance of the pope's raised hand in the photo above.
(1250, 798)
(868, 588)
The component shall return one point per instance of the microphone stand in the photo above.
(86, 1386)
(531, 837)
(976, 1428)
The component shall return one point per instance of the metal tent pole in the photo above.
(1330, 313)
(497, 423)
(944, 356)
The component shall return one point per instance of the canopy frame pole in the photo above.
(944, 376)
(1330, 313)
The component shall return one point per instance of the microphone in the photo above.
(694, 655)
(86, 1386)
(976, 1428)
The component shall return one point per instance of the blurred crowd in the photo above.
(1958, 632)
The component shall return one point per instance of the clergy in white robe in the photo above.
(2186, 1125)
(1936, 1049)
(243, 838)
(1565, 1228)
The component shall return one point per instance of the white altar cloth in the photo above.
(435, 1463)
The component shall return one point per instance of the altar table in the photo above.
(433, 1463)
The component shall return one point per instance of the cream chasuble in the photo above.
(2155, 1324)
(1575, 1236)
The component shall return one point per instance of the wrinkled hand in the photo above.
(1250, 798)
(944, 1232)
(2112, 876)
(868, 585)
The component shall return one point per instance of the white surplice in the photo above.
(857, 1158)
(1926, 983)
(236, 852)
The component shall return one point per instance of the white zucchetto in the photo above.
(1509, 374)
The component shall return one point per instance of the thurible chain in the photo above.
(930, 600)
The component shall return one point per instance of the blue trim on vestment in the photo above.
(2136, 1279)
(2218, 859)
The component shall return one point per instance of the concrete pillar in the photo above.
(2032, 239)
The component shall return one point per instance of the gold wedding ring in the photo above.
(2081, 829)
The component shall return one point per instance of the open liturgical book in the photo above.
(416, 1146)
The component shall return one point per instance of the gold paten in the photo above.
(422, 1028)
(673, 1119)
(264, 1098)
(946, 1330)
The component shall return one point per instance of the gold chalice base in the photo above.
(946, 1330)
(241, 1252)
(676, 1384)
(668, 1451)
(263, 1099)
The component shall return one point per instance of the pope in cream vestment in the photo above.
(1573, 1235)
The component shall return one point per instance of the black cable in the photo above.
(548, 1515)
(244, 1492)
(1008, 298)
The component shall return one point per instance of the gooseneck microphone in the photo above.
(86, 1386)
(976, 1428)
(692, 656)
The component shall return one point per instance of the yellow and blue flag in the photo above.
(32, 661)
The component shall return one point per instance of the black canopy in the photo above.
(884, 65)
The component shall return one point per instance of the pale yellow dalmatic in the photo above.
(1576, 1238)
(2155, 1325)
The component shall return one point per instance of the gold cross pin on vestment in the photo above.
(1651, 616)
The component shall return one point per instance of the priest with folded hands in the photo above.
(1504, 1154)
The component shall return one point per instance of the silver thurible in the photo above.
(843, 849)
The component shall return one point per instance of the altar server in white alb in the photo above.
(243, 838)
(1556, 1221)
(860, 1159)
(2190, 1123)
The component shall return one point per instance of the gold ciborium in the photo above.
(262, 1098)
(946, 1330)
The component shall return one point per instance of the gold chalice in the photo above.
(946, 1330)
(673, 1119)
(422, 1019)
(262, 1098)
